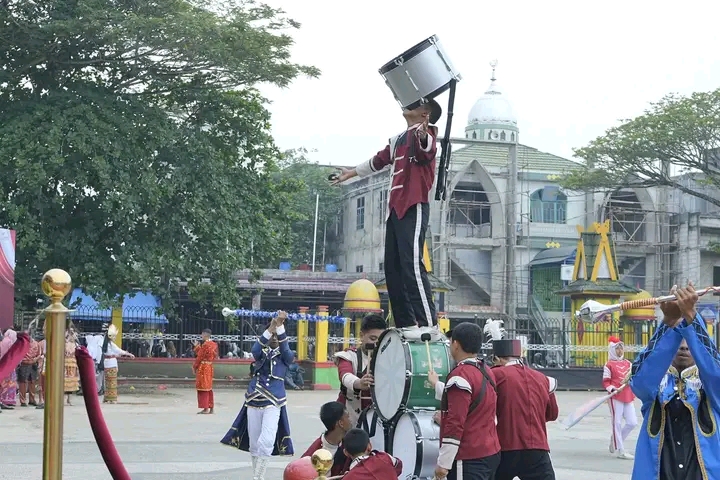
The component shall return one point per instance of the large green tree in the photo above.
(310, 181)
(134, 147)
(678, 134)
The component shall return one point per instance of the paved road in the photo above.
(160, 434)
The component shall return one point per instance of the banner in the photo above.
(7, 277)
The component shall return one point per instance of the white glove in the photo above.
(610, 389)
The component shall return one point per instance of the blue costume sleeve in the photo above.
(260, 343)
(705, 353)
(652, 364)
(285, 353)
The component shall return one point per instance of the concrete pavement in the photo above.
(160, 436)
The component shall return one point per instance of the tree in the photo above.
(309, 179)
(678, 131)
(134, 147)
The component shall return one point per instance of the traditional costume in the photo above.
(203, 366)
(374, 466)
(352, 364)
(111, 352)
(72, 377)
(341, 462)
(262, 426)
(412, 177)
(526, 398)
(679, 438)
(8, 385)
(622, 406)
(469, 445)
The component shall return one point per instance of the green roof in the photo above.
(497, 156)
(601, 286)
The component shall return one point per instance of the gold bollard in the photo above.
(322, 461)
(56, 284)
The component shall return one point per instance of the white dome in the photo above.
(493, 108)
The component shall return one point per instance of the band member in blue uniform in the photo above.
(674, 377)
(411, 158)
(262, 427)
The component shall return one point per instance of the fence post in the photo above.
(302, 332)
(346, 333)
(321, 335)
(117, 320)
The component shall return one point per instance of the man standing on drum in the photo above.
(524, 397)
(353, 365)
(469, 445)
(412, 158)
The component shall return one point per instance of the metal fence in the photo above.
(146, 333)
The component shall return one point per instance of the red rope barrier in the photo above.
(86, 367)
(14, 356)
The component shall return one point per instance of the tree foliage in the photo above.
(676, 135)
(309, 179)
(134, 147)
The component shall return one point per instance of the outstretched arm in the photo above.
(652, 363)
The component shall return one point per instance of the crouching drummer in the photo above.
(368, 464)
(353, 367)
(335, 417)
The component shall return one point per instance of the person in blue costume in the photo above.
(674, 377)
(262, 426)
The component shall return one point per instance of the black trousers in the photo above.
(480, 469)
(526, 465)
(408, 286)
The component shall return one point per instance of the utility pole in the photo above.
(511, 234)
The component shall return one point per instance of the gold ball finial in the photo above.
(56, 284)
(322, 461)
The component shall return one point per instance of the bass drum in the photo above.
(416, 441)
(371, 422)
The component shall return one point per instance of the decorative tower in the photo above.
(492, 118)
(595, 277)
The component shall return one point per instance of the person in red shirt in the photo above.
(353, 367)
(525, 403)
(622, 406)
(368, 464)
(335, 417)
(469, 445)
(411, 158)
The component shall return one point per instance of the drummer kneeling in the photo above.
(368, 464)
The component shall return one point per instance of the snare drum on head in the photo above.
(415, 439)
(400, 368)
(419, 74)
(371, 422)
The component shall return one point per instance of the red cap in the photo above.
(614, 340)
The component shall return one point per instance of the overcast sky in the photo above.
(570, 70)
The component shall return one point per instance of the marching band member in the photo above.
(368, 464)
(524, 397)
(675, 378)
(262, 427)
(353, 365)
(335, 417)
(469, 445)
(622, 405)
(411, 156)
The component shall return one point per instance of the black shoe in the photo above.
(6, 407)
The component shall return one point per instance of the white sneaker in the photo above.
(612, 445)
(625, 456)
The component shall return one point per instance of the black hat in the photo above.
(435, 111)
(507, 348)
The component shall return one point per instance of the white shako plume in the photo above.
(494, 329)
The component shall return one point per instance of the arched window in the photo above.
(548, 205)
(474, 135)
(502, 135)
(512, 137)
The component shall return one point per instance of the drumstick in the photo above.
(425, 337)
(370, 347)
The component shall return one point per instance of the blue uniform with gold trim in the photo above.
(267, 388)
(661, 388)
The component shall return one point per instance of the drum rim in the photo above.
(409, 54)
(420, 446)
(408, 379)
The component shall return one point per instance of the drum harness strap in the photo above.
(483, 388)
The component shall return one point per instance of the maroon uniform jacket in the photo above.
(376, 466)
(413, 168)
(352, 364)
(341, 462)
(525, 397)
(465, 434)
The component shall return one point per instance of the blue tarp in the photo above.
(140, 308)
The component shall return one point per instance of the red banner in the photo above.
(7, 277)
